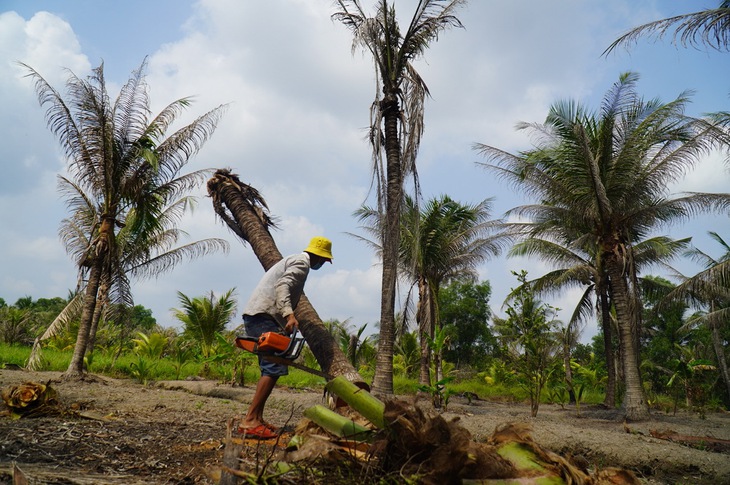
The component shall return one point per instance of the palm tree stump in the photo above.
(245, 212)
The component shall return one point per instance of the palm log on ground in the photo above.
(245, 212)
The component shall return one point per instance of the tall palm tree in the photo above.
(396, 126)
(709, 27)
(204, 317)
(440, 241)
(603, 177)
(123, 163)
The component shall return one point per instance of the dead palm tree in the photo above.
(396, 126)
(123, 164)
(245, 212)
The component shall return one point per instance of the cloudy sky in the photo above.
(298, 113)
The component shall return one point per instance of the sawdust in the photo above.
(118, 431)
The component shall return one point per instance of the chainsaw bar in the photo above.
(296, 365)
(279, 349)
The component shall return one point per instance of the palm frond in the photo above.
(704, 28)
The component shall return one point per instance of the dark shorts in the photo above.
(256, 325)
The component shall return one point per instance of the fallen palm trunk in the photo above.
(337, 424)
(245, 212)
(701, 442)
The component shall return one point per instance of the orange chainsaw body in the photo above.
(272, 343)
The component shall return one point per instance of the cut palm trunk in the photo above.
(337, 424)
(370, 407)
(245, 212)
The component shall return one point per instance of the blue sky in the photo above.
(298, 111)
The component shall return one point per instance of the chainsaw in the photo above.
(278, 348)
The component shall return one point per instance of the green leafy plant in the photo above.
(151, 346)
(141, 370)
(558, 394)
(181, 355)
(225, 352)
(440, 395)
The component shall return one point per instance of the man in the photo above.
(271, 309)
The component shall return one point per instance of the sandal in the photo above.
(260, 432)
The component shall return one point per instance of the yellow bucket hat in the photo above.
(321, 246)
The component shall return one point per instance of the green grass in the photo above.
(53, 360)
(129, 366)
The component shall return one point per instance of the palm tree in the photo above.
(709, 289)
(439, 242)
(528, 338)
(707, 27)
(204, 317)
(124, 166)
(603, 178)
(580, 268)
(245, 212)
(141, 254)
(396, 126)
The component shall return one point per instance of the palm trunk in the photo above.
(720, 354)
(425, 330)
(568, 371)
(103, 295)
(383, 379)
(246, 217)
(607, 327)
(100, 249)
(76, 366)
(634, 404)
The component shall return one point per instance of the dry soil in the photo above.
(121, 432)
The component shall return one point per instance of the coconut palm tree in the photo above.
(443, 240)
(580, 268)
(141, 255)
(603, 178)
(245, 212)
(123, 163)
(204, 317)
(709, 289)
(396, 126)
(709, 27)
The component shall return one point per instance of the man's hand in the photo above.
(291, 324)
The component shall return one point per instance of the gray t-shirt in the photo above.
(279, 290)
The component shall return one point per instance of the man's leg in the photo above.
(255, 415)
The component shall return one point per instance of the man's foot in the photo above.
(260, 432)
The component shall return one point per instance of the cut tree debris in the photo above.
(399, 438)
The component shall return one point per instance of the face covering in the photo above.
(317, 265)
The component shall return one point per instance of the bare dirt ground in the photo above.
(122, 432)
